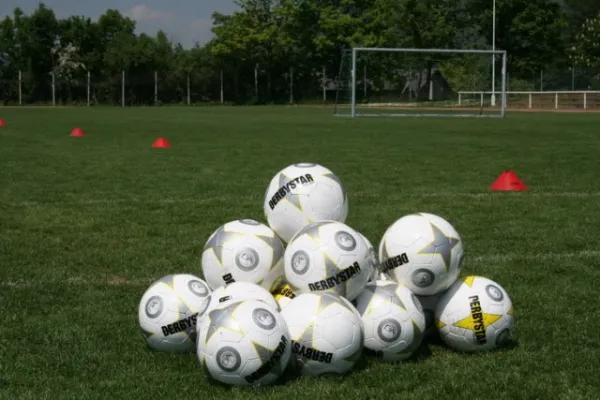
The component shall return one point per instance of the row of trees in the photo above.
(276, 35)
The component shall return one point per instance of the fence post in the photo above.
(256, 81)
(53, 89)
(123, 88)
(530, 101)
(365, 81)
(556, 101)
(541, 80)
(585, 100)
(459, 98)
(222, 91)
(291, 85)
(189, 96)
(480, 100)
(88, 88)
(155, 87)
(324, 83)
(20, 88)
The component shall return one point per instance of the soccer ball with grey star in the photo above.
(328, 256)
(236, 292)
(243, 250)
(393, 320)
(245, 343)
(423, 252)
(326, 333)
(301, 194)
(475, 315)
(169, 310)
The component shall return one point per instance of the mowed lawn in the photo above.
(86, 224)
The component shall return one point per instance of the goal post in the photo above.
(408, 82)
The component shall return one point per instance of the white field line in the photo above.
(142, 282)
(226, 199)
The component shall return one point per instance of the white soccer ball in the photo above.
(474, 315)
(423, 252)
(326, 333)
(246, 343)
(393, 320)
(429, 304)
(243, 250)
(372, 257)
(327, 256)
(169, 309)
(302, 194)
(240, 291)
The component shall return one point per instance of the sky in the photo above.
(184, 21)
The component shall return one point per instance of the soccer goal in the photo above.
(390, 82)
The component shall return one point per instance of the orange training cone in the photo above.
(508, 181)
(77, 132)
(161, 143)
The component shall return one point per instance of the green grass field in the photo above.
(86, 224)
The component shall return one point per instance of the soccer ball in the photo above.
(284, 295)
(429, 304)
(243, 250)
(393, 320)
(327, 256)
(326, 333)
(372, 258)
(240, 291)
(246, 343)
(302, 194)
(474, 315)
(423, 252)
(169, 309)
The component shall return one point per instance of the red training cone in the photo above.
(508, 181)
(161, 143)
(2, 122)
(77, 132)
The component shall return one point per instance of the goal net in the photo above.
(391, 82)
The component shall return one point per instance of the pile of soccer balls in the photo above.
(321, 301)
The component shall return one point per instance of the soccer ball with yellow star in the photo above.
(475, 314)
(301, 194)
(393, 320)
(246, 343)
(423, 252)
(326, 332)
(169, 309)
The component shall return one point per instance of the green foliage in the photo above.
(586, 51)
(270, 36)
(469, 72)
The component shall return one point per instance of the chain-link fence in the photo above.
(219, 86)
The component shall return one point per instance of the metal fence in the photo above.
(219, 87)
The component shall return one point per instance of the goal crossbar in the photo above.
(502, 92)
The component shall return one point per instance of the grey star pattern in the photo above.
(222, 318)
(217, 241)
(441, 244)
(332, 269)
(292, 198)
(265, 355)
(335, 178)
(326, 300)
(276, 246)
(388, 291)
(168, 280)
(312, 230)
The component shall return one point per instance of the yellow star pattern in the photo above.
(469, 323)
